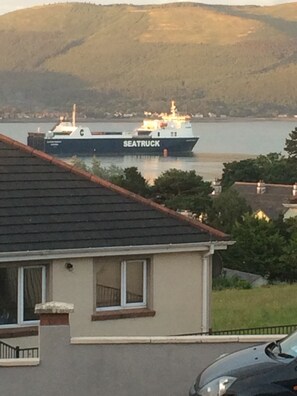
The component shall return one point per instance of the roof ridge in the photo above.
(266, 184)
(107, 184)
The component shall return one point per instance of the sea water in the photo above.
(219, 142)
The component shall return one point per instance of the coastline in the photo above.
(139, 120)
(224, 157)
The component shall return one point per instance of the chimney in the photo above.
(261, 187)
(217, 188)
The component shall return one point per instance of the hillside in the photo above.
(224, 59)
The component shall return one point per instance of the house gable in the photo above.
(261, 215)
(290, 211)
(291, 207)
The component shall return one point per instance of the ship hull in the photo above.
(93, 146)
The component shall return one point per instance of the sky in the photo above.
(13, 5)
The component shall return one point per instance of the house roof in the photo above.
(48, 204)
(247, 276)
(270, 201)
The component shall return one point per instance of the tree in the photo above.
(272, 168)
(109, 173)
(132, 180)
(105, 173)
(96, 167)
(245, 170)
(227, 209)
(287, 227)
(288, 261)
(79, 163)
(275, 168)
(258, 248)
(182, 190)
(291, 144)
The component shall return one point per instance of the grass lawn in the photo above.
(263, 306)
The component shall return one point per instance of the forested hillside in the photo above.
(238, 61)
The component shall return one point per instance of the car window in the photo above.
(288, 345)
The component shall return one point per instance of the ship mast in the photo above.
(73, 115)
(173, 108)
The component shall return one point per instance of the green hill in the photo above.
(224, 59)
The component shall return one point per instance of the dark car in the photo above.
(264, 370)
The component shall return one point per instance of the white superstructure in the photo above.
(169, 125)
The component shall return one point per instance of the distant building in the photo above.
(254, 280)
(217, 188)
(267, 201)
(197, 115)
(291, 207)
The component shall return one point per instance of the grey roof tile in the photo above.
(46, 204)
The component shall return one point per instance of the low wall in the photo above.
(130, 366)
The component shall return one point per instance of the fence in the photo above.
(9, 352)
(283, 329)
(267, 330)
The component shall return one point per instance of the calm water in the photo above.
(219, 142)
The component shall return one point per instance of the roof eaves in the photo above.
(30, 255)
(239, 183)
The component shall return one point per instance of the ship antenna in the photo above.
(73, 115)
(173, 108)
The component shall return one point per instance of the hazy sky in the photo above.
(12, 5)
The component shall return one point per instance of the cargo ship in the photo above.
(170, 134)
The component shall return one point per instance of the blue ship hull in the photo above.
(93, 146)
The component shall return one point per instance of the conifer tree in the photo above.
(291, 144)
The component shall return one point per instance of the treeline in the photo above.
(267, 248)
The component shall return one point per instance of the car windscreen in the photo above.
(288, 345)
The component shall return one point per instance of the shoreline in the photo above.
(139, 120)
(224, 157)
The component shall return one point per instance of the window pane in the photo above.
(108, 285)
(8, 295)
(32, 291)
(134, 282)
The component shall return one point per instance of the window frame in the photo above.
(21, 297)
(123, 302)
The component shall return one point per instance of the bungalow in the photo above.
(267, 201)
(129, 266)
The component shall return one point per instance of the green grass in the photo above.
(264, 306)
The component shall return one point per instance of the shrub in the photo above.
(234, 282)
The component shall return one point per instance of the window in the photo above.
(121, 284)
(21, 288)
